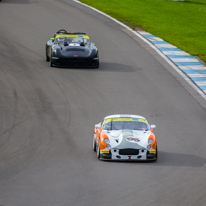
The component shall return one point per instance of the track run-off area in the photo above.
(47, 115)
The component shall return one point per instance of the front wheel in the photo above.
(98, 151)
(51, 61)
(156, 153)
(47, 57)
(97, 66)
(94, 143)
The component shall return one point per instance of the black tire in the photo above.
(97, 66)
(98, 151)
(51, 61)
(47, 57)
(156, 153)
(94, 144)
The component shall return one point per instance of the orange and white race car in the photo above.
(125, 137)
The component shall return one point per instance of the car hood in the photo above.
(121, 139)
(80, 51)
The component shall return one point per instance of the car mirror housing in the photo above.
(152, 126)
(97, 126)
(52, 39)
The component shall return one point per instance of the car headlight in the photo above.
(109, 147)
(148, 147)
(106, 141)
(150, 141)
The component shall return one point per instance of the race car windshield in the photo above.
(125, 123)
(61, 40)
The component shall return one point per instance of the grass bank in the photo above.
(181, 23)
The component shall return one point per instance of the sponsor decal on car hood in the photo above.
(121, 139)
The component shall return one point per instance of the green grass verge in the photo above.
(181, 23)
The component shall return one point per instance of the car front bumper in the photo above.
(75, 62)
(114, 154)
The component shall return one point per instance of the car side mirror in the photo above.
(97, 126)
(52, 39)
(152, 126)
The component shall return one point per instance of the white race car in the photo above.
(125, 137)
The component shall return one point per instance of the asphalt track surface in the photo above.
(47, 115)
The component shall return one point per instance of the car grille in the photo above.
(128, 151)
